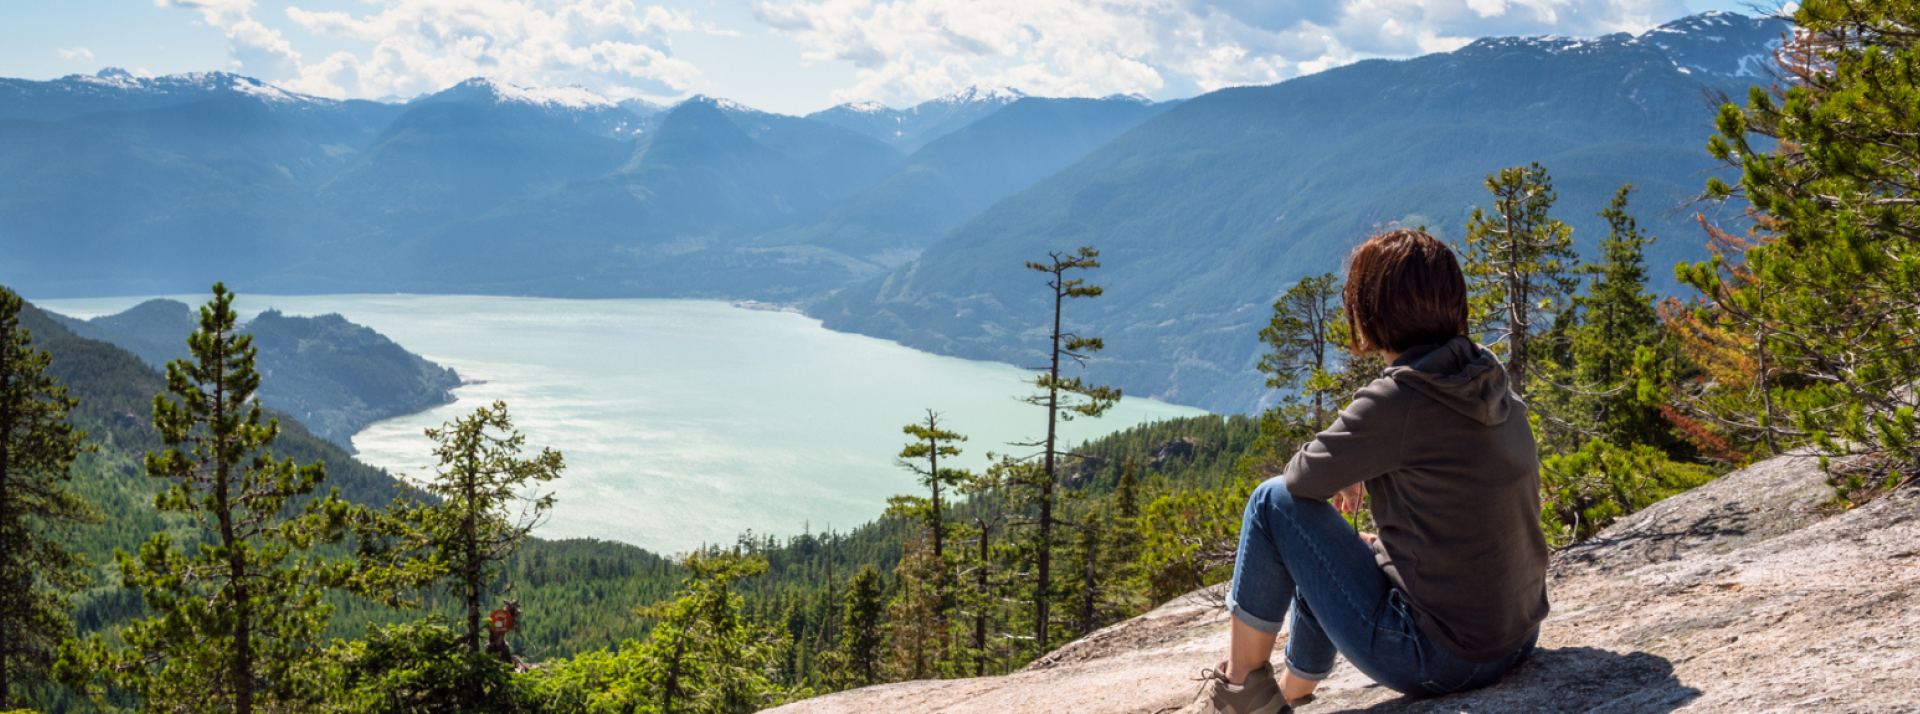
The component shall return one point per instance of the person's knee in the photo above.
(1273, 495)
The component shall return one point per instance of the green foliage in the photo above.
(473, 528)
(235, 619)
(1585, 490)
(1519, 266)
(1606, 344)
(862, 634)
(1302, 355)
(917, 614)
(1064, 398)
(1189, 538)
(1824, 298)
(930, 442)
(701, 658)
(420, 668)
(38, 572)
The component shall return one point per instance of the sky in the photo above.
(787, 56)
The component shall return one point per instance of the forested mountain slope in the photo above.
(336, 377)
(1205, 214)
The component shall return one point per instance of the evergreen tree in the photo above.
(918, 617)
(236, 615)
(481, 473)
(1618, 325)
(37, 449)
(1064, 398)
(861, 633)
(702, 657)
(1519, 266)
(1831, 165)
(979, 574)
(930, 443)
(1302, 354)
(1122, 554)
(707, 658)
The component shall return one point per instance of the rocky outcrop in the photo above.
(1749, 594)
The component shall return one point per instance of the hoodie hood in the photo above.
(1458, 373)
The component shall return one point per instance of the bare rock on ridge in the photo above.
(1741, 596)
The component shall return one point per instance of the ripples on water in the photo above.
(688, 422)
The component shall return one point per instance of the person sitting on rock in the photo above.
(1450, 594)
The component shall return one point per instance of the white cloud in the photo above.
(615, 47)
(75, 53)
(910, 50)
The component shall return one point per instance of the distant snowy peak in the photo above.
(579, 105)
(1722, 43)
(724, 105)
(114, 78)
(115, 89)
(977, 95)
(483, 89)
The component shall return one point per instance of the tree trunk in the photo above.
(1517, 327)
(471, 568)
(980, 617)
(1043, 588)
(240, 668)
(1090, 583)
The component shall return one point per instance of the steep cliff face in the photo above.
(1745, 595)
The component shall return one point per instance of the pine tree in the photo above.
(236, 616)
(978, 577)
(917, 614)
(930, 442)
(1122, 554)
(861, 633)
(37, 449)
(1091, 401)
(703, 657)
(1618, 326)
(1302, 357)
(1833, 277)
(1519, 266)
(472, 531)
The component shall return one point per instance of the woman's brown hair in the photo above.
(1404, 288)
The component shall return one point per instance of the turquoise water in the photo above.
(688, 422)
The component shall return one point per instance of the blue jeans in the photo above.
(1299, 553)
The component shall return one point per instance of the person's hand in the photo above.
(1348, 499)
(1369, 538)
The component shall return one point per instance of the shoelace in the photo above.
(1208, 677)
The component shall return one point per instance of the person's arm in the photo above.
(1362, 443)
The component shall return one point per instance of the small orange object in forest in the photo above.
(502, 622)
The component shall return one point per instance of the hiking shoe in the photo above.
(1260, 694)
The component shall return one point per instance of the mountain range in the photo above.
(910, 224)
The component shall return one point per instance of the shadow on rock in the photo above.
(1568, 679)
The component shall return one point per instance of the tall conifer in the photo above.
(1064, 398)
(1519, 265)
(236, 616)
(37, 449)
(481, 474)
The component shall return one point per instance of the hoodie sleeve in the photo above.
(1362, 443)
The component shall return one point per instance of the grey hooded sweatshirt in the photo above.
(1450, 462)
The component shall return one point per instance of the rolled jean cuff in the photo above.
(1239, 613)
(1308, 676)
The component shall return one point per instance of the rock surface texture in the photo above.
(1745, 595)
